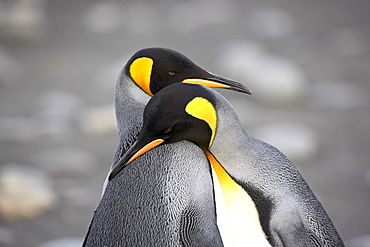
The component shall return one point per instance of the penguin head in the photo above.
(155, 68)
(178, 112)
(181, 112)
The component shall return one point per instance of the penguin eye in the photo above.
(171, 72)
(166, 131)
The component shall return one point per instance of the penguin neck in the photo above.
(129, 101)
(237, 216)
(230, 138)
(235, 149)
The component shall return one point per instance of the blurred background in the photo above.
(307, 63)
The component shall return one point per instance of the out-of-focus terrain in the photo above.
(307, 63)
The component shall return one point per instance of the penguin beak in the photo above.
(217, 81)
(136, 150)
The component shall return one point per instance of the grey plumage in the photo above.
(159, 199)
(289, 212)
(165, 198)
(129, 102)
(144, 206)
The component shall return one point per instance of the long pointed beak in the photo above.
(134, 152)
(217, 81)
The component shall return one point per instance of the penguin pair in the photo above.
(287, 213)
(148, 71)
(166, 197)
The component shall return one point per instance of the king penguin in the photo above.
(160, 199)
(287, 213)
(148, 71)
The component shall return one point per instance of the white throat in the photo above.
(237, 216)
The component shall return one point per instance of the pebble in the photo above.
(25, 192)
(99, 120)
(298, 142)
(63, 242)
(64, 161)
(272, 78)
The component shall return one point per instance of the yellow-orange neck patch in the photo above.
(242, 217)
(140, 71)
(202, 109)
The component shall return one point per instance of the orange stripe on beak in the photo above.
(145, 149)
(204, 82)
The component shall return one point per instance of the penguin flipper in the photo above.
(293, 234)
(195, 233)
(289, 229)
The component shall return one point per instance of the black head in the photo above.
(181, 112)
(178, 112)
(155, 68)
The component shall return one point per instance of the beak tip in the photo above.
(231, 84)
(131, 155)
(111, 176)
(119, 166)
